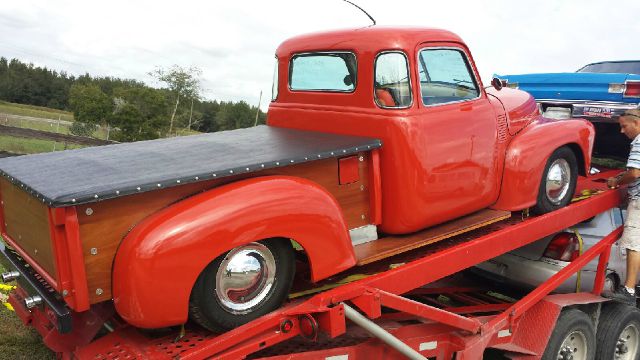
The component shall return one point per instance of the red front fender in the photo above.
(527, 156)
(160, 259)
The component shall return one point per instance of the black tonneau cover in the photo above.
(92, 174)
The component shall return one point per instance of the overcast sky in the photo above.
(233, 42)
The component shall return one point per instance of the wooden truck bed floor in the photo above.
(392, 245)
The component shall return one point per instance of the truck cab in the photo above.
(450, 147)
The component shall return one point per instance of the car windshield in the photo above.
(624, 67)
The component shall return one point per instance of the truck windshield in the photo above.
(335, 72)
(622, 67)
(445, 76)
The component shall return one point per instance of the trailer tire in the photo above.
(618, 332)
(572, 338)
(243, 284)
(558, 182)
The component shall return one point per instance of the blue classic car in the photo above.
(598, 92)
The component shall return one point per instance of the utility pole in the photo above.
(258, 111)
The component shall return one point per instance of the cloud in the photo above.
(234, 42)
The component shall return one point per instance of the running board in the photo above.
(392, 245)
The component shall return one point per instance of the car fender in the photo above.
(159, 261)
(527, 155)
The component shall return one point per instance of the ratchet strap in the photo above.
(580, 250)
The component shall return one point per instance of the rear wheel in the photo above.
(618, 332)
(558, 183)
(243, 284)
(573, 338)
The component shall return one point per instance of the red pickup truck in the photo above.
(373, 134)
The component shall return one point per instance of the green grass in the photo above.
(34, 111)
(18, 341)
(31, 146)
(185, 132)
(34, 124)
(608, 163)
(8, 109)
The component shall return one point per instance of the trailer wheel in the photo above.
(572, 338)
(618, 332)
(558, 183)
(243, 284)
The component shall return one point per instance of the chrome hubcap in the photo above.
(557, 182)
(245, 277)
(574, 347)
(627, 344)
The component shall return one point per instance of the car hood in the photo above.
(572, 86)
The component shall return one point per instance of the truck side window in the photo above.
(333, 72)
(392, 86)
(445, 76)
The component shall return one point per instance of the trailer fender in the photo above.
(527, 156)
(159, 261)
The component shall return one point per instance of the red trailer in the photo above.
(389, 312)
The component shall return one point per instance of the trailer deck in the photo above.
(432, 322)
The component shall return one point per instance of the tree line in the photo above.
(131, 110)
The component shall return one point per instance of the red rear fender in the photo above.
(527, 156)
(160, 259)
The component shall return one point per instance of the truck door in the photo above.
(458, 128)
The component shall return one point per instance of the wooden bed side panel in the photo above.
(27, 223)
(107, 222)
(353, 198)
(104, 224)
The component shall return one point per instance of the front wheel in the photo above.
(572, 338)
(243, 284)
(558, 183)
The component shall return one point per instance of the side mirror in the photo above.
(496, 83)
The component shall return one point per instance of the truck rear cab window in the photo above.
(332, 72)
(392, 85)
(445, 77)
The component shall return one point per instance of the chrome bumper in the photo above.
(597, 111)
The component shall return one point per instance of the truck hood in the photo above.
(519, 106)
(571, 86)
